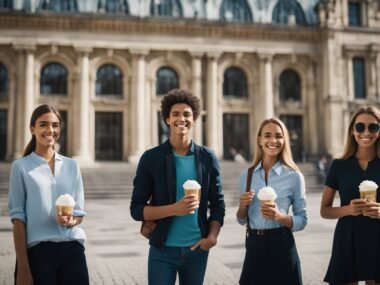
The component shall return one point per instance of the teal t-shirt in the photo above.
(184, 230)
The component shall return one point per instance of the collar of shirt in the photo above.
(57, 157)
(276, 168)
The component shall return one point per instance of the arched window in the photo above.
(3, 81)
(235, 83)
(109, 80)
(286, 11)
(59, 5)
(53, 80)
(167, 79)
(290, 86)
(113, 6)
(168, 8)
(6, 4)
(235, 11)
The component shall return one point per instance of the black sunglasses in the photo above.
(373, 128)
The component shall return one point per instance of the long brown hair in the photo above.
(38, 112)
(351, 144)
(286, 153)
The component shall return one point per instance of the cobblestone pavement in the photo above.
(117, 254)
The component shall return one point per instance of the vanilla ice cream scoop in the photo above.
(267, 193)
(367, 185)
(191, 184)
(65, 200)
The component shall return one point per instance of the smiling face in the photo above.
(46, 130)
(271, 140)
(180, 119)
(366, 138)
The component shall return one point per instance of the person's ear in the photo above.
(31, 128)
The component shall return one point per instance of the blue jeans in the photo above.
(164, 263)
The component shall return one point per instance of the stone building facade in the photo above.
(105, 65)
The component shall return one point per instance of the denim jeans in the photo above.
(165, 263)
(58, 263)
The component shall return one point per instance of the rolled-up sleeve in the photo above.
(79, 192)
(216, 197)
(17, 194)
(299, 204)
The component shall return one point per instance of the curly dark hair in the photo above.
(176, 96)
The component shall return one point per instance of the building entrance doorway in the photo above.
(236, 137)
(108, 136)
(294, 124)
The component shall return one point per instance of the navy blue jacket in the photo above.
(155, 181)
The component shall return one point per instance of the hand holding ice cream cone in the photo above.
(267, 197)
(368, 190)
(192, 187)
(65, 207)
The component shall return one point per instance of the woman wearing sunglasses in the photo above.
(356, 248)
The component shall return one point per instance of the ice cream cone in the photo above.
(64, 210)
(369, 196)
(266, 202)
(194, 191)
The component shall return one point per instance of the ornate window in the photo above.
(354, 14)
(59, 5)
(168, 8)
(6, 4)
(113, 6)
(358, 64)
(53, 80)
(290, 86)
(235, 11)
(167, 79)
(109, 81)
(3, 82)
(287, 11)
(235, 83)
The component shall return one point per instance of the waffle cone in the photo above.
(266, 202)
(194, 191)
(64, 210)
(370, 196)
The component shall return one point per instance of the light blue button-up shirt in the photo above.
(289, 186)
(33, 190)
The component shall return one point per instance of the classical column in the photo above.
(378, 76)
(212, 125)
(25, 96)
(138, 112)
(373, 74)
(333, 136)
(81, 150)
(267, 85)
(196, 65)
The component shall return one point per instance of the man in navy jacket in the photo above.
(184, 230)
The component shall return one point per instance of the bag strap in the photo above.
(247, 189)
(249, 178)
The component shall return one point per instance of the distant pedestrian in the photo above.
(184, 231)
(356, 247)
(271, 256)
(49, 247)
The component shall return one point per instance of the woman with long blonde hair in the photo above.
(270, 245)
(356, 249)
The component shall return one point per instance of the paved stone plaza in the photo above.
(117, 254)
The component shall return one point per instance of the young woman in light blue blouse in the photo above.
(49, 248)
(271, 255)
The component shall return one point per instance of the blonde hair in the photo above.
(351, 144)
(286, 153)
